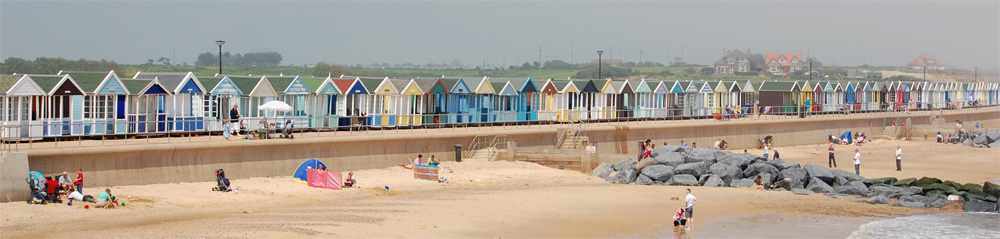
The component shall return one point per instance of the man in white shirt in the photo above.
(718, 144)
(766, 149)
(857, 162)
(689, 202)
(65, 182)
(74, 195)
(899, 157)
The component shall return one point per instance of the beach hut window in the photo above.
(88, 107)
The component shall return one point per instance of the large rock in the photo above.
(981, 139)
(819, 172)
(644, 163)
(993, 134)
(660, 173)
(727, 172)
(628, 163)
(742, 183)
(910, 204)
(887, 181)
(967, 142)
(995, 144)
(760, 169)
(980, 207)
(788, 183)
(905, 182)
(957, 186)
(972, 187)
(991, 189)
(643, 180)
(722, 154)
(700, 155)
(799, 191)
(695, 169)
(924, 181)
(703, 178)
(850, 176)
(671, 159)
(684, 179)
(941, 187)
(912, 190)
(852, 189)
(794, 173)
(974, 196)
(880, 199)
(887, 191)
(714, 181)
(818, 186)
(840, 181)
(624, 176)
(604, 170)
(788, 165)
(669, 148)
(739, 160)
(915, 201)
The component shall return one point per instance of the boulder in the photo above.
(660, 173)
(888, 181)
(727, 172)
(971, 187)
(993, 135)
(703, 178)
(852, 189)
(603, 170)
(742, 183)
(671, 159)
(646, 162)
(880, 199)
(948, 190)
(924, 181)
(768, 179)
(974, 196)
(980, 207)
(840, 181)
(788, 183)
(714, 181)
(794, 173)
(850, 176)
(967, 142)
(981, 140)
(818, 186)
(700, 155)
(624, 176)
(939, 202)
(684, 179)
(627, 163)
(887, 191)
(990, 188)
(995, 144)
(912, 190)
(759, 169)
(915, 201)
(905, 182)
(819, 172)
(643, 180)
(910, 204)
(722, 154)
(739, 160)
(695, 169)
(788, 165)
(800, 191)
(957, 186)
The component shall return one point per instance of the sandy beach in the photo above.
(510, 200)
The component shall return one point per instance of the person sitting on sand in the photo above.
(758, 182)
(419, 160)
(433, 161)
(349, 181)
(105, 200)
(940, 139)
(679, 219)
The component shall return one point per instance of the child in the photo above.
(679, 219)
(758, 183)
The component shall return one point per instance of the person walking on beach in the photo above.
(857, 162)
(766, 149)
(899, 157)
(689, 202)
(833, 161)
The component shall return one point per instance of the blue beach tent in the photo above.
(300, 175)
(847, 137)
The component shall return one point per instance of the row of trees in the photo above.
(45, 65)
(267, 58)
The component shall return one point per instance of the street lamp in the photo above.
(925, 74)
(220, 43)
(975, 76)
(599, 64)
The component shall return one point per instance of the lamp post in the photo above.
(220, 43)
(599, 64)
(975, 76)
(925, 74)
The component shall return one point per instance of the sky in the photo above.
(885, 33)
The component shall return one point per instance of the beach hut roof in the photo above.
(624, 87)
(411, 88)
(782, 86)
(548, 87)
(748, 87)
(53, 83)
(506, 88)
(642, 86)
(609, 87)
(735, 87)
(806, 87)
(174, 81)
(146, 87)
(706, 87)
(720, 87)
(19, 85)
(432, 86)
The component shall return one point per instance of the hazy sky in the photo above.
(960, 34)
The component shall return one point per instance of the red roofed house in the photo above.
(926, 60)
(782, 62)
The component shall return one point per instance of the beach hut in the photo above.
(323, 105)
(356, 103)
(706, 98)
(607, 100)
(505, 107)
(386, 102)
(103, 103)
(819, 98)
(664, 100)
(460, 96)
(62, 108)
(481, 107)
(780, 96)
(720, 97)
(689, 102)
(222, 95)
(294, 92)
(434, 100)
(185, 105)
(147, 110)
(256, 91)
(646, 99)
(883, 95)
(806, 93)
(526, 99)
(735, 98)
(568, 101)
(626, 99)
(547, 101)
(749, 97)
(21, 108)
(411, 104)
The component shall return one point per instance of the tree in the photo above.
(164, 61)
(207, 59)
(557, 64)
(323, 69)
(150, 62)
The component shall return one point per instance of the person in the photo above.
(664, 143)
(264, 125)
(419, 160)
(718, 144)
(683, 143)
(776, 155)
(79, 179)
(642, 150)
(833, 161)
(857, 162)
(724, 146)
(940, 139)
(690, 201)
(74, 195)
(349, 181)
(64, 182)
(977, 125)
(766, 150)
(958, 127)
(105, 200)
(679, 219)
(52, 189)
(234, 120)
(745, 151)
(694, 145)
(433, 161)
(648, 149)
(899, 157)
(808, 106)
(758, 182)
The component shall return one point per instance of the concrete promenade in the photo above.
(165, 160)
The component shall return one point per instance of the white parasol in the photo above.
(276, 106)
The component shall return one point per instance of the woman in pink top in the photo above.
(679, 219)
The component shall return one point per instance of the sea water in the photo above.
(943, 225)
